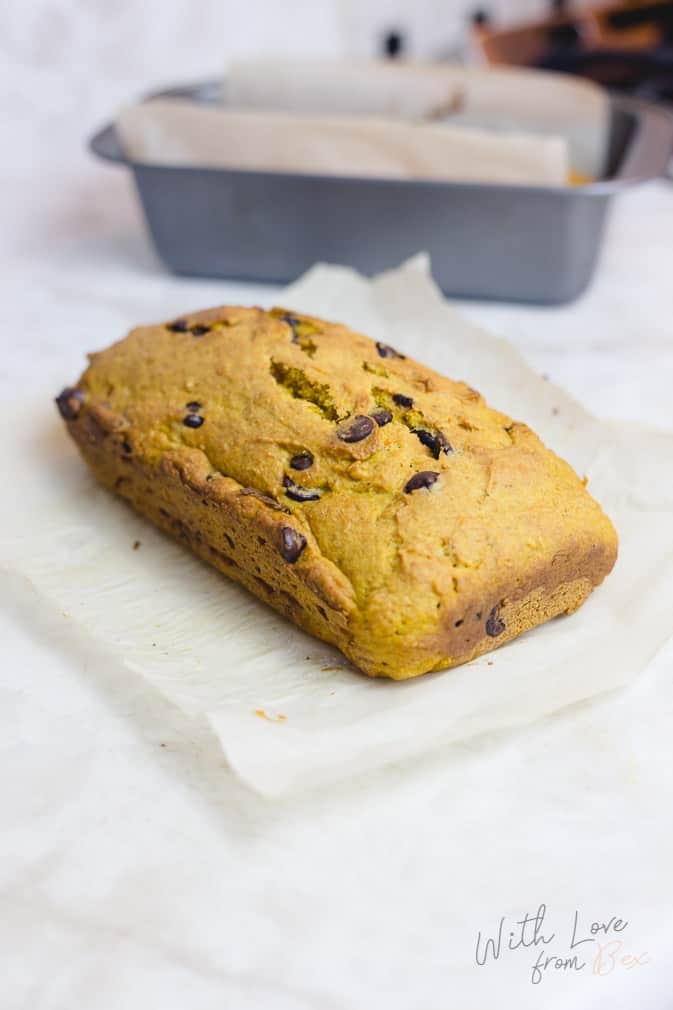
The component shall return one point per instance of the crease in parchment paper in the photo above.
(219, 654)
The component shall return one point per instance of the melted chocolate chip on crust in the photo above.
(426, 478)
(386, 351)
(355, 429)
(298, 493)
(302, 461)
(494, 626)
(69, 403)
(435, 443)
(193, 421)
(402, 401)
(193, 406)
(292, 544)
(198, 330)
(382, 416)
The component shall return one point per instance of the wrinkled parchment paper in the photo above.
(396, 121)
(289, 712)
(171, 131)
(497, 98)
(392, 88)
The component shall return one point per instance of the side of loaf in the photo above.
(377, 504)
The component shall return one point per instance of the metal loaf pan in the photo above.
(521, 243)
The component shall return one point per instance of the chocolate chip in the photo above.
(426, 478)
(435, 443)
(69, 403)
(198, 330)
(193, 421)
(266, 499)
(428, 440)
(298, 493)
(292, 544)
(402, 401)
(292, 322)
(302, 461)
(386, 351)
(193, 405)
(382, 416)
(356, 428)
(444, 444)
(179, 326)
(494, 626)
(127, 447)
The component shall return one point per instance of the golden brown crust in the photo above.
(379, 505)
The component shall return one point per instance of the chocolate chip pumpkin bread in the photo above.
(378, 505)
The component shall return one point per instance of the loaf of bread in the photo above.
(377, 504)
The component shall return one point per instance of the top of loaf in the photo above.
(408, 482)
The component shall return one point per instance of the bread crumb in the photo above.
(136, 545)
(270, 718)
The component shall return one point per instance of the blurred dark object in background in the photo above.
(393, 45)
(625, 46)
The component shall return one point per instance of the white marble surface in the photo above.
(135, 871)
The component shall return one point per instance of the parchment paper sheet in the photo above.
(169, 131)
(497, 98)
(397, 89)
(220, 655)
(401, 121)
